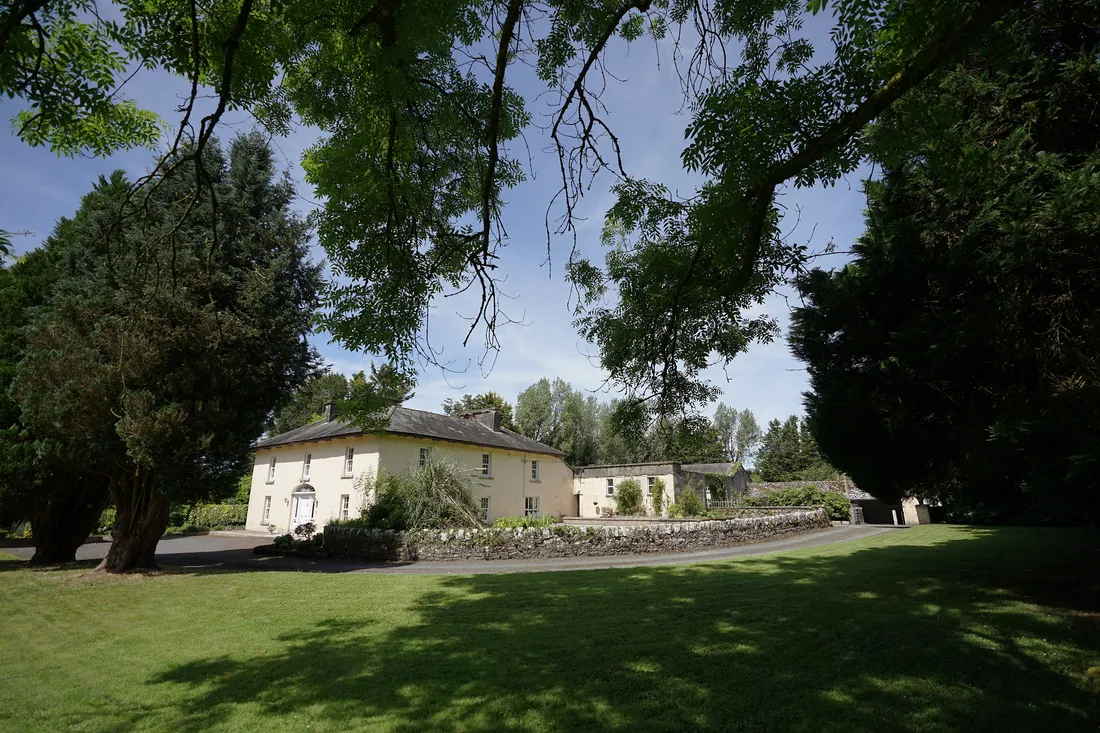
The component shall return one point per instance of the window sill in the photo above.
(490, 478)
(535, 481)
(269, 482)
(347, 475)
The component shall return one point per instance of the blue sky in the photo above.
(644, 111)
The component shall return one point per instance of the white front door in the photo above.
(303, 510)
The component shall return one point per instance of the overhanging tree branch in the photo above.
(914, 71)
(507, 33)
(19, 12)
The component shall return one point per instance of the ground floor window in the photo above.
(651, 480)
(483, 509)
(611, 487)
(345, 503)
(531, 506)
(267, 510)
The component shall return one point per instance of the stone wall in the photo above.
(562, 540)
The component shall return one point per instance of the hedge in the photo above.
(836, 505)
(197, 518)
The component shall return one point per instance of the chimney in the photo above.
(489, 417)
(330, 412)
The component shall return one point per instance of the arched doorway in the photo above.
(303, 505)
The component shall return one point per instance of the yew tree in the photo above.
(958, 355)
(62, 501)
(172, 335)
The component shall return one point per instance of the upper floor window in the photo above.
(305, 466)
(425, 454)
(651, 480)
(349, 461)
(486, 465)
(611, 487)
(534, 470)
(271, 471)
(483, 509)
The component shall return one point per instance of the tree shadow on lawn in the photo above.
(897, 637)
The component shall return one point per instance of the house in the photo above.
(595, 486)
(310, 474)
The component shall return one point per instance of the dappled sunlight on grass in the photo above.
(930, 629)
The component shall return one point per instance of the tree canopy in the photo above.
(957, 356)
(789, 452)
(166, 342)
(416, 112)
(483, 401)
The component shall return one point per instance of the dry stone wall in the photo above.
(561, 540)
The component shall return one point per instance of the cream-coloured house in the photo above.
(596, 487)
(309, 474)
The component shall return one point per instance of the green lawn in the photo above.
(927, 629)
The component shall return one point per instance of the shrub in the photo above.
(690, 503)
(107, 521)
(305, 531)
(837, 506)
(658, 496)
(435, 495)
(216, 516)
(524, 522)
(675, 511)
(628, 497)
(362, 522)
(184, 518)
(284, 542)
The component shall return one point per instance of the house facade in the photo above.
(315, 473)
(596, 487)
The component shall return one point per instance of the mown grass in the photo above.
(928, 629)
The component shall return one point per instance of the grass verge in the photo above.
(928, 629)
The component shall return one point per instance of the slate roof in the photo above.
(726, 468)
(417, 423)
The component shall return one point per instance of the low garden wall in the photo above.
(562, 540)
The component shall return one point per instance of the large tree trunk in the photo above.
(62, 519)
(142, 517)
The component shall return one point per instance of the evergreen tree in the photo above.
(171, 336)
(62, 500)
(957, 355)
(789, 453)
(308, 403)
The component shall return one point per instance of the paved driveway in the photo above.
(234, 553)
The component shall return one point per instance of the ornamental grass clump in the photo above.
(437, 495)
